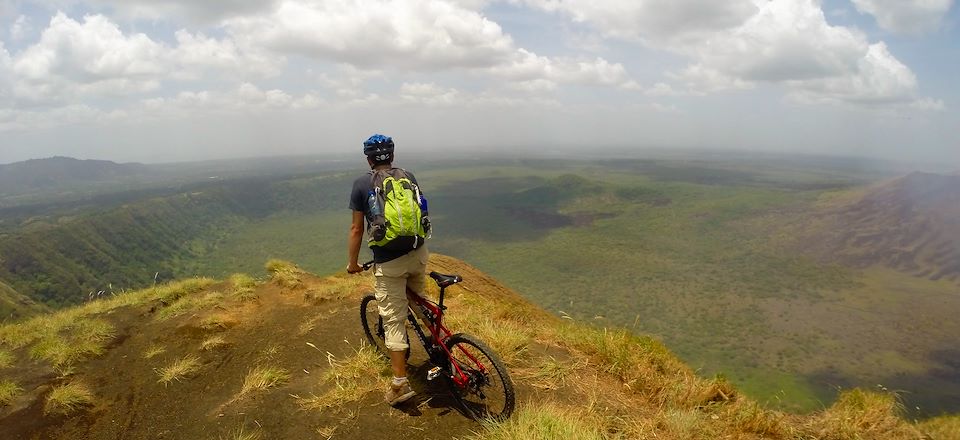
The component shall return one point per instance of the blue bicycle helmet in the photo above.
(378, 147)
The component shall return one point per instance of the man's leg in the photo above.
(390, 287)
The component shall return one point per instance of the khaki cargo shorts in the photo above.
(392, 280)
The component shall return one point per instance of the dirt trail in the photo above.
(275, 329)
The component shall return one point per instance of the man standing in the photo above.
(388, 199)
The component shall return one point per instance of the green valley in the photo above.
(694, 252)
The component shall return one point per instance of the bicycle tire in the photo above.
(489, 395)
(373, 326)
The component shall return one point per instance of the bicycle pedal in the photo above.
(433, 373)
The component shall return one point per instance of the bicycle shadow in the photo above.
(434, 394)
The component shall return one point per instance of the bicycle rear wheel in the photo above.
(489, 392)
(373, 326)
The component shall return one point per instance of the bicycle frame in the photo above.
(435, 344)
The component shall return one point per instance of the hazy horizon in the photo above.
(160, 82)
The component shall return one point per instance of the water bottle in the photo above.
(424, 215)
(374, 207)
(378, 230)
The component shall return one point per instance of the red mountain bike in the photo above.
(474, 373)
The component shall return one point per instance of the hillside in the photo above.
(63, 172)
(282, 358)
(60, 261)
(14, 306)
(911, 224)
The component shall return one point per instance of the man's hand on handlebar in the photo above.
(356, 268)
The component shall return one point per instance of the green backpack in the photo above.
(396, 219)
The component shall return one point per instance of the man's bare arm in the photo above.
(354, 239)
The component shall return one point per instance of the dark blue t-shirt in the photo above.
(358, 202)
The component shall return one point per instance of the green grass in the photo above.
(68, 399)
(69, 343)
(8, 391)
(6, 359)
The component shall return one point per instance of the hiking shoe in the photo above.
(397, 394)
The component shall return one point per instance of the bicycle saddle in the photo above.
(445, 280)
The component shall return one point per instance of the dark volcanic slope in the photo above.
(910, 224)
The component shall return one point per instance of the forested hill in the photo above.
(39, 174)
(62, 262)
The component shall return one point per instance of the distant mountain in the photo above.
(911, 224)
(56, 172)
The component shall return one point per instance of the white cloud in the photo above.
(733, 45)
(790, 42)
(20, 28)
(245, 98)
(878, 78)
(407, 34)
(658, 22)
(197, 11)
(95, 57)
(538, 71)
(6, 77)
(197, 53)
(906, 16)
(429, 94)
(928, 104)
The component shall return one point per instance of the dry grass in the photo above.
(337, 288)
(859, 414)
(545, 421)
(285, 273)
(189, 304)
(348, 380)
(180, 369)
(943, 427)
(327, 432)
(243, 286)
(549, 373)
(243, 434)
(153, 351)
(6, 359)
(45, 326)
(218, 322)
(213, 343)
(643, 364)
(169, 293)
(262, 378)
(8, 391)
(69, 398)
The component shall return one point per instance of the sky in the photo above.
(180, 80)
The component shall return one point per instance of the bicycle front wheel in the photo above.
(373, 326)
(488, 393)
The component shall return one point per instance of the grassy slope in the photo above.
(214, 359)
